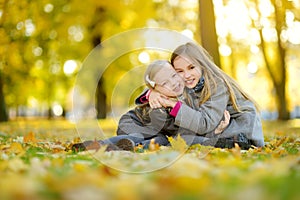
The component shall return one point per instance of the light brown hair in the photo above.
(152, 69)
(200, 57)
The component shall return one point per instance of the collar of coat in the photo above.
(199, 85)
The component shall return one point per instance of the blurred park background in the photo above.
(43, 44)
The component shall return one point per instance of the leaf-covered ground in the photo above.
(35, 163)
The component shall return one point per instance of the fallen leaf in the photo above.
(30, 138)
(153, 146)
(236, 151)
(178, 143)
(139, 148)
(16, 147)
(17, 165)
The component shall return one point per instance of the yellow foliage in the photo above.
(153, 146)
(178, 143)
(16, 148)
(167, 173)
(30, 138)
(17, 165)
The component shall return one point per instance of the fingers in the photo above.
(161, 102)
(226, 116)
(157, 103)
(164, 96)
(224, 123)
(154, 99)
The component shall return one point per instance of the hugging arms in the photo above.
(209, 92)
(149, 123)
(196, 95)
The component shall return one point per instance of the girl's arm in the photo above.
(208, 116)
(176, 106)
(148, 123)
(156, 99)
(152, 97)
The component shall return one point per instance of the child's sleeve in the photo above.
(176, 108)
(143, 98)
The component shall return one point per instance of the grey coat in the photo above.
(147, 121)
(196, 120)
(206, 117)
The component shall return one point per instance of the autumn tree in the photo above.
(266, 42)
(276, 65)
(208, 32)
(3, 112)
(35, 46)
(111, 18)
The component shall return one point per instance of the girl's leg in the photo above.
(194, 139)
(160, 139)
(240, 139)
(136, 138)
(125, 142)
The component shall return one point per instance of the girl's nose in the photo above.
(173, 81)
(187, 74)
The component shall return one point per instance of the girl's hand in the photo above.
(224, 123)
(156, 99)
(168, 102)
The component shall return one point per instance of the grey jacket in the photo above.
(151, 122)
(147, 121)
(206, 117)
(196, 120)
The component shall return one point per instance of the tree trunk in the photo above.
(277, 70)
(282, 106)
(100, 100)
(96, 40)
(209, 39)
(3, 113)
(100, 92)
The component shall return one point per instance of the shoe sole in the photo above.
(125, 144)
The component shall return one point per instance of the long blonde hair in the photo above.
(200, 57)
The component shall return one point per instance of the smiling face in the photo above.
(190, 73)
(168, 82)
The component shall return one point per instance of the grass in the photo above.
(35, 165)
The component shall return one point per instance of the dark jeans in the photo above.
(138, 139)
(240, 139)
(243, 142)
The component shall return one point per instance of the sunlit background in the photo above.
(44, 43)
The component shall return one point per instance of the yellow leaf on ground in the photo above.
(236, 151)
(76, 140)
(30, 138)
(139, 148)
(153, 146)
(17, 165)
(178, 143)
(16, 147)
